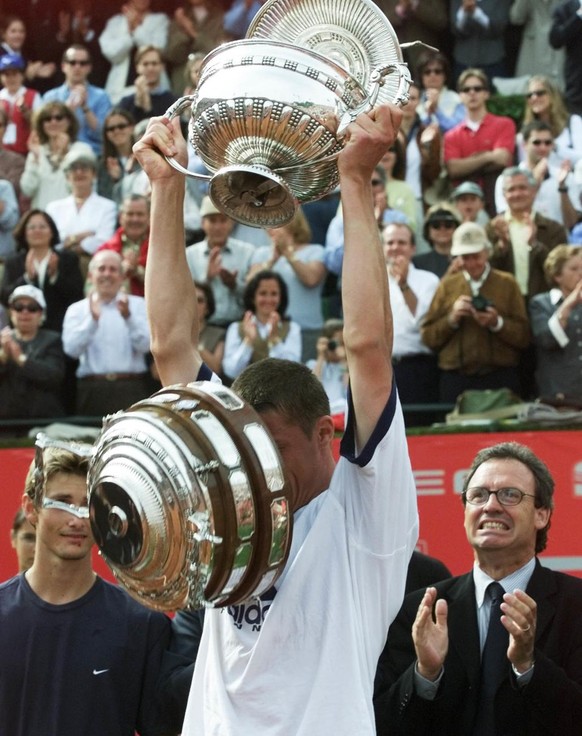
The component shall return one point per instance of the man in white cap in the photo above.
(477, 321)
(469, 199)
(220, 261)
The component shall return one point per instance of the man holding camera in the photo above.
(477, 321)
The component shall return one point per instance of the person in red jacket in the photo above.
(18, 101)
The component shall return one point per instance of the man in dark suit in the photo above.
(430, 674)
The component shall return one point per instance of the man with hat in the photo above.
(220, 261)
(477, 321)
(469, 200)
(18, 101)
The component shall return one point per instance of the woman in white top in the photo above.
(54, 135)
(264, 331)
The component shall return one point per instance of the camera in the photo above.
(331, 345)
(480, 303)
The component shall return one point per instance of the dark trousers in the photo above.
(100, 396)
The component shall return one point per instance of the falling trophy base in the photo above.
(253, 195)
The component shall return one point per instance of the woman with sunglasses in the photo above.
(441, 221)
(438, 103)
(54, 135)
(117, 165)
(545, 102)
(36, 262)
(32, 362)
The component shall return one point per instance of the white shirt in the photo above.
(97, 214)
(407, 339)
(237, 354)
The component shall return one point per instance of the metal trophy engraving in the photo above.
(270, 112)
(187, 499)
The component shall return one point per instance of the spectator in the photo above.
(8, 219)
(211, 338)
(557, 196)
(222, 262)
(478, 29)
(150, 95)
(400, 195)
(477, 321)
(52, 142)
(13, 35)
(439, 225)
(72, 681)
(22, 539)
(331, 368)
(90, 104)
(438, 103)
(117, 167)
(196, 26)
(108, 333)
(565, 33)
(411, 292)
(32, 362)
(125, 32)
(11, 164)
(469, 200)
(522, 238)
(301, 266)
(131, 241)
(84, 219)
(265, 330)
(536, 56)
(535, 690)
(239, 16)
(192, 76)
(545, 103)
(483, 144)
(38, 263)
(556, 320)
(18, 101)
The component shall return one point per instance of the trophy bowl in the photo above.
(268, 120)
(187, 499)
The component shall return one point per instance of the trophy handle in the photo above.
(172, 112)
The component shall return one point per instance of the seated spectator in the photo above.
(222, 262)
(545, 102)
(108, 333)
(196, 26)
(483, 144)
(411, 292)
(439, 225)
(558, 195)
(125, 32)
(37, 262)
(438, 103)
(565, 33)
(131, 241)
(53, 138)
(117, 167)
(556, 321)
(331, 367)
(89, 103)
(522, 237)
(477, 322)
(13, 38)
(84, 219)
(18, 101)
(211, 337)
(300, 264)
(22, 539)
(8, 219)
(11, 164)
(192, 77)
(264, 331)
(32, 362)
(536, 55)
(150, 95)
(469, 200)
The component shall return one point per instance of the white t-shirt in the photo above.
(304, 664)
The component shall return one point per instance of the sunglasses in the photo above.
(57, 117)
(119, 126)
(537, 93)
(440, 224)
(433, 70)
(542, 142)
(26, 308)
(474, 88)
(77, 62)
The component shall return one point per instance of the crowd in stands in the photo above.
(478, 201)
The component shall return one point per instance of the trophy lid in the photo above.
(355, 34)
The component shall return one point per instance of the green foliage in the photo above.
(512, 106)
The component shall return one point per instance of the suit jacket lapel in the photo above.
(463, 622)
(542, 587)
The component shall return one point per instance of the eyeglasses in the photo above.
(479, 496)
(81, 512)
(26, 308)
(119, 126)
(542, 142)
(474, 88)
(439, 224)
(57, 117)
(433, 70)
(77, 62)
(537, 93)
(377, 182)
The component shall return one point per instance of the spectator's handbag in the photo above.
(187, 499)
(484, 405)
